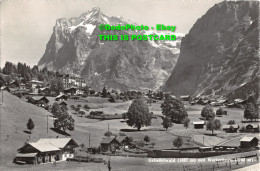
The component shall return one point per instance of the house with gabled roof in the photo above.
(61, 97)
(108, 142)
(252, 127)
(5, 88)
(40, 100)
(230, 128)
(199, 124)
(123, 141)
(249, 142)
(46, 150)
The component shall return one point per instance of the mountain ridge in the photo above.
(74, 47)
(223, 46)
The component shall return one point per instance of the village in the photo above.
(96, 124)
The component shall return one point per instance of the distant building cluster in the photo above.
(73, 80)
(73, 84)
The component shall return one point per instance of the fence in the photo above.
(177, 154)
(223, 165)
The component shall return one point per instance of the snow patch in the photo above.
(105, 19)
(242, 84)
(90, 27)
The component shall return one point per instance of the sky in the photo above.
(27, 25)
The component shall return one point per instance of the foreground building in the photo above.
(46, 150)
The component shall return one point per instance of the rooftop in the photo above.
(247, 139)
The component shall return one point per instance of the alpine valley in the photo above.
(220, 53)
(75, 47)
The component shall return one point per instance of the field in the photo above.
(16, 112)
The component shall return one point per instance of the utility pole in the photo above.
(109, 165)
(89, 140)
(47, 124)
(203, 139)
(2, 96)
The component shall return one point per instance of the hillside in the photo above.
(14, 116)
(75, 47)
(220, 52)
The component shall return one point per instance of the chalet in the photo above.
(123, 141)
(22, 86)
(219, 102)
(232, 145)
(13, 84)
(63, 104)
(44, 90)
(5, 88)
(40, 100)
(185, 98)
(35, 85)
(252, 127)
(249, 142)
(239, 101)
(46, 150)
(70, 91)
(205, 102)
(107, 143)
(61, 97)
(204, 149)
(230, 128)
(199, 124)
(195, 101)
(21, 91)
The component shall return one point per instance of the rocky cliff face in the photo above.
(74, 47)
(220, 53)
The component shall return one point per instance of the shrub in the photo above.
(178, 142)
(231, 122)
(86, 106)
(208, 113)
(220, 111)
(242, 129)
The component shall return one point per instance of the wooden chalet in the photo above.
(61, 97)
(123, 141)
(249, 142)
(5, 88)
(232, 145)
(70, 91)
(252, 127)
(185, 98)
(63, 104)
(230, 128)
(107, 143)
(44, 90)
(199, 124)
(46, 150)
(13, 84)
(40, 100)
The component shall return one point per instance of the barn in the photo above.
(230, 128)
(199, 124)
(249, 142)
(107, 143)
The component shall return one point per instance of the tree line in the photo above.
(23, 73)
